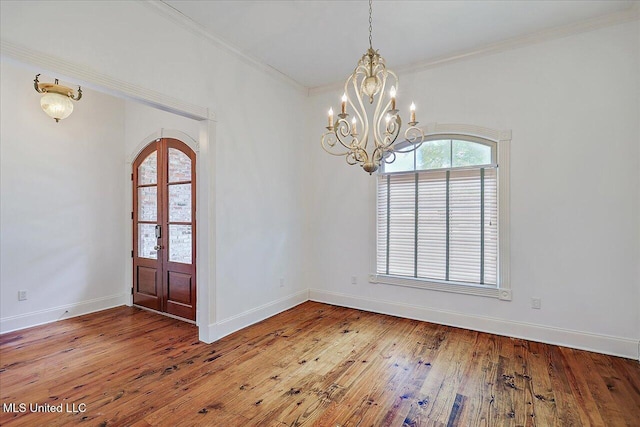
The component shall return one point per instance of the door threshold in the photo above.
(173, 316)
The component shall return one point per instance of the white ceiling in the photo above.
(319, 42)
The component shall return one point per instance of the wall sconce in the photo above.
(56, 99)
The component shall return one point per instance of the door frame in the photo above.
(164, 268)
(205, 218)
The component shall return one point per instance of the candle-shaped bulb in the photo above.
(392, 92)
(354, 130)
(413, 112)
(344, 103)
(388, 119)
(330, 117)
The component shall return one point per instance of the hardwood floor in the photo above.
(315, 364)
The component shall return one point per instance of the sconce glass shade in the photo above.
(57, 106)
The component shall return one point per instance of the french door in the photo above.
(164, 228)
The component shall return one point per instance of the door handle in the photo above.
(157, 247)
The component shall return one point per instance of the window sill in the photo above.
(462, 288)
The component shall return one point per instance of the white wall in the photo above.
(637, 88)
(142, 122)
(61, 204)
(572, 105)
(259, 160)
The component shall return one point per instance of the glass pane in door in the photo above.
(180, 243)
(147, 241)
(180, 203)
(179, 166)
(147, 203)
(148, 170)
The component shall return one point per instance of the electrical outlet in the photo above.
(354, 280)
(536, 303)
(22, 295)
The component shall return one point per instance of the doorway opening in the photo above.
(164, 228)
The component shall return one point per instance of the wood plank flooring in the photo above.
(313, 365)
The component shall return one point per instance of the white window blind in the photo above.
(439, 225)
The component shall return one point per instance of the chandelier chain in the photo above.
(370, 25)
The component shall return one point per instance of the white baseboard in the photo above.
(35, 318)
(224, 327)
(616, 346)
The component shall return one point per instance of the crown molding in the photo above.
(178, 18)
(628, 15)
(102, 82)
(163, 102)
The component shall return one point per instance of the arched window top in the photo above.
(444, 151)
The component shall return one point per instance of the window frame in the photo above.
(501, 139)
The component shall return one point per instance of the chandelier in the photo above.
(376, 143)
(56, 99)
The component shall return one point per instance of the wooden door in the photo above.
(164, 228)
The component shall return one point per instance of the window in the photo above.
(439, 222)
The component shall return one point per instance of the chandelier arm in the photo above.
(36, 85)
(392, 132)
(394, 137)
(77, 96)
(360, 112)
(361, 69)
(390, 158)
(328, 142)
(351, 158)
(341, 130)
(378, 153)
(415, 137)
(391, 138)
(396, 85)
(361, 155)
(413, 148)
(376, 114)
(380, 113)
(413, 134)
